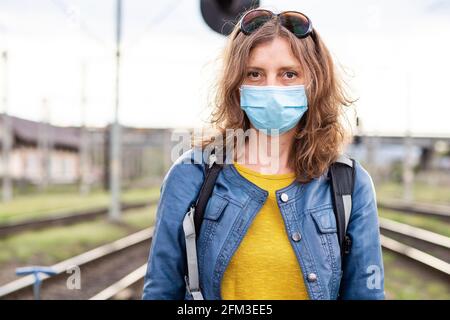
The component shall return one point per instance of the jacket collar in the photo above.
(293, 190)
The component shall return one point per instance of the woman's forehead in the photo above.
(275, 53)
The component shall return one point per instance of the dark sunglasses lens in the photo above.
(255, 19)
(295, 22)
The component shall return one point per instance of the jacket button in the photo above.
(296, 236)
(312, 277)
(284, 197)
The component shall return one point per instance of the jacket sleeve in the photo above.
(164, 279)
(363, 270)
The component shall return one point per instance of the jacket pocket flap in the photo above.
(215, 207)
(325, 220)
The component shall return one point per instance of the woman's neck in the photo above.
(267, 154)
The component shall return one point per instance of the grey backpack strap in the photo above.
(191, 227)
(192, 278)
(342, 176)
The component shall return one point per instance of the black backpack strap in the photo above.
(212, 171)
(342, 177)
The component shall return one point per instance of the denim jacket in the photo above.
(307, 211)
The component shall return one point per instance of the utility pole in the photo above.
(84, 141)
(44, 145)
(115, 158)
(6, 135)
(408, 172)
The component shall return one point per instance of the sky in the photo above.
(394, 55)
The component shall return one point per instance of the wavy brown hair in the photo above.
(319, 135)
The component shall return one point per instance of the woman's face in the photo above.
(273, 64)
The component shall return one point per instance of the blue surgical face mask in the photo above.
(274, 107)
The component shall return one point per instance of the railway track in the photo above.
(441, 212)
(127, 288)
(438, 211)
(66, 218)
(429, 249)
(98, 268)
(130, 287)
(116, 270)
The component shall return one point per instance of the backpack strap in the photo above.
(192, 223)
(342, 176)
(192, 278)
(212, 171)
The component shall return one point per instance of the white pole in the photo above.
(44, 145)
(408, 173)
(7, 136)
(115, 163)
(84, 147)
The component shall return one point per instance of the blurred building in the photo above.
(43, 153)
(33, 143)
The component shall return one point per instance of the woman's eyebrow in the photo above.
(255, 68)
(295, 67)
(290, 67)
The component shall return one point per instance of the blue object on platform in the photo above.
(35, 271)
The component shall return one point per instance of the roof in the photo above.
(27, 131)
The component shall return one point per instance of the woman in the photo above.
(269, 231)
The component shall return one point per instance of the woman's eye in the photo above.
(253, 74)
(290, 74)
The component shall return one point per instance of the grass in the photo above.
(402, 282)
(40, 205)
(52, 245)
(421, 192)
(428, 223)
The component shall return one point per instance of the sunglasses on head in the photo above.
(296, 22)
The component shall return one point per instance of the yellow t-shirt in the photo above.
(265, 265)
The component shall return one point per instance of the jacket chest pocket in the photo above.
(211, 220)
(213, 212)
(215, 207)
(326, 227)
(326, 233)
